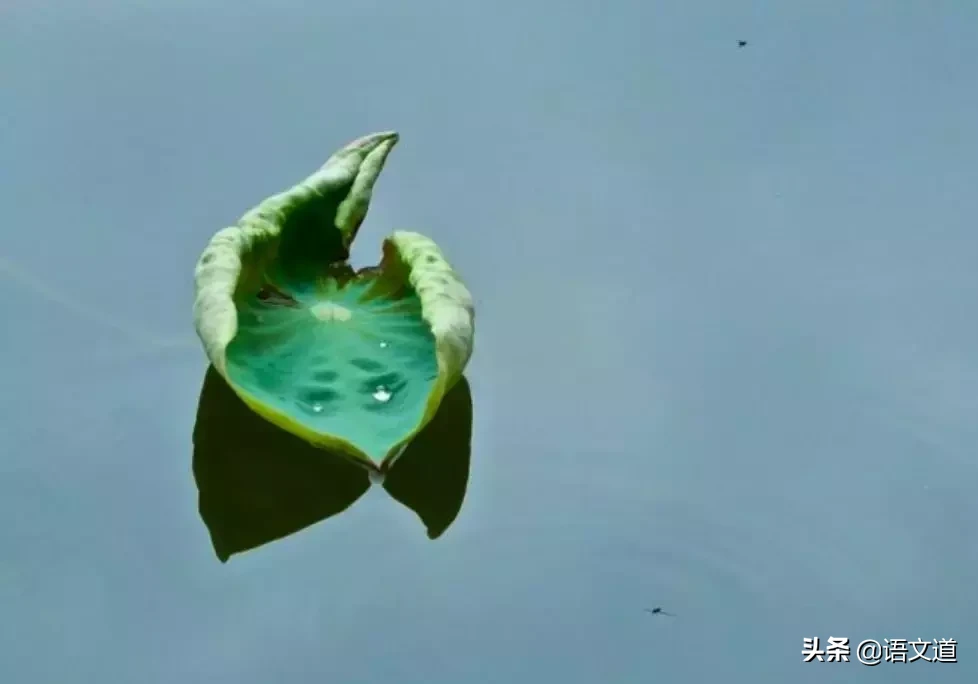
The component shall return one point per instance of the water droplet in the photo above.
(317, 408)
(382, 394)
(383, 345)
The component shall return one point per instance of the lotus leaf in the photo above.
(352, 361)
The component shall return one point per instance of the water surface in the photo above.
(725, 359)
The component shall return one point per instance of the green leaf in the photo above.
(352, 361)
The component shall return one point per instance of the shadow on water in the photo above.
(258, 483)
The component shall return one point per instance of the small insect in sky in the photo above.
(741, 43)
(658, 611)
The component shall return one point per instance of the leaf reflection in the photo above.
(258, 483)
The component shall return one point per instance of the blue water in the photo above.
(725, 355)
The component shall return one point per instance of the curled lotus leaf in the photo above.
(352, 361)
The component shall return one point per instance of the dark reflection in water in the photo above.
(258, 483)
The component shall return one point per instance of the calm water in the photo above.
(725, 357)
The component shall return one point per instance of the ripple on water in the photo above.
(766, 548)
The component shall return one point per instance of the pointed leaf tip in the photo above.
(360, 161)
